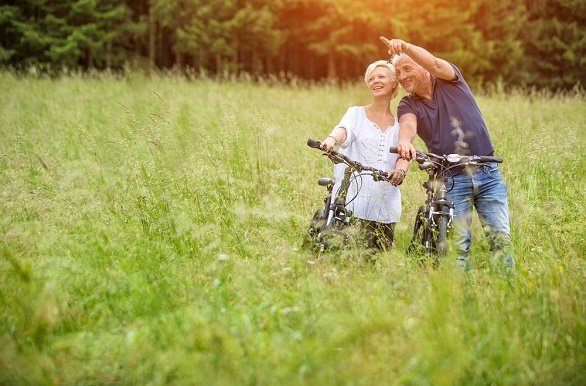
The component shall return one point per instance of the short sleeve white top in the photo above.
(368, 144)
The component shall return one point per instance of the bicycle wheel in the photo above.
(311, 239)
(421, 242)
(442, 235)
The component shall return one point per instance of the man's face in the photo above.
(410, 75)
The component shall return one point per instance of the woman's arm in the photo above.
(400, 172)
(337, 137)
(339, 134)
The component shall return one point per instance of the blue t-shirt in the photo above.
(451, 121)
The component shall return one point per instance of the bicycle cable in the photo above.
(358, 187)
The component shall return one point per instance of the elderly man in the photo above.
(441, 109)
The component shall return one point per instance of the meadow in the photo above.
(150, 234)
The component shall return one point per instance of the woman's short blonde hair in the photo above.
(382, 63)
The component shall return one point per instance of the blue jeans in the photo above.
(483, 188)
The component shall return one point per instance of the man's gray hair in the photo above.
(395, 59)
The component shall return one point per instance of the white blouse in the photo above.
(366, 143)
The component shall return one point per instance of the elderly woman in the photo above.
(365, 134)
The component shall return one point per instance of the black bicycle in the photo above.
(434, 219)
(330, 227)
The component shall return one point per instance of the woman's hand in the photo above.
(328, 143)
(400, 172)
(397, 176)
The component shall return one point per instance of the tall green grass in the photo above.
(150, 235)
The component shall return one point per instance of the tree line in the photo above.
(530, 42)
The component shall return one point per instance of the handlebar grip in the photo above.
(313, 143)
(488, 158)
(425, 165)
(419, 155)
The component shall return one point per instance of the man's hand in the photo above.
(406, 150)
(436, 66)
(395, 46)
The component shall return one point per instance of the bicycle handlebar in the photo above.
(313, 143)
(336, 157)
(422, 157)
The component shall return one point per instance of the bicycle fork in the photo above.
(328, 207)
(438, 206)
(337, 211)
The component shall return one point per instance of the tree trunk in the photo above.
(255, 63)
(268, 66)
(152, 37)
(90, 58)
(235, 58)
(179, 60)
(218, 65)
(109, 55)
(332, 73)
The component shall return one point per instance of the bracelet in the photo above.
(403, 172)
(335, 139)
(405, 159)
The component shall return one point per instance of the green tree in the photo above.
(71, 34)
(255, 34)
(346, 36)
(555, 43)
(536, 42)
(294, 18)
(446, 28)
(499, 50)
(334, 39)
(22, 33)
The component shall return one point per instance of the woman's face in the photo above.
(382, 82)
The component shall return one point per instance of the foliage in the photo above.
(65, 34)
(531, 43)
(556, 42)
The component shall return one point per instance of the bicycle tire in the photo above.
(415, 241)
(421, 241)
(427, 236)
(442, 235)
(316, 226)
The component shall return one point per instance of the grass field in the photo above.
(150, 233)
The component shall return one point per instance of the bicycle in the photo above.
(330, 227)
(433, 221)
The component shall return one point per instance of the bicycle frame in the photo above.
(434, 219)
(338, 214)
(330, 222)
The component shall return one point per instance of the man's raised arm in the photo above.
(436, 66)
